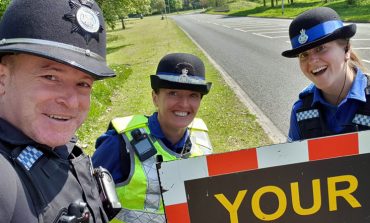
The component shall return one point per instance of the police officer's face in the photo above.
(325, 66)
(46, 100)
(176, 108)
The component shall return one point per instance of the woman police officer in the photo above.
(337, 101)
(130, 147)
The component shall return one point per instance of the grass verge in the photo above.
(358, 12)
(135, 53)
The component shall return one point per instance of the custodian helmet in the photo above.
(71, 32)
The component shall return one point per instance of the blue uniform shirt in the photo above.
(336, 116)
(108, 146)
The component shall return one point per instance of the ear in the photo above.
(347, 52)
(347, 55)
(4, 76)
(155, 99)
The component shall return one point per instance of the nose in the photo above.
(68, 97)
(184, 101)
(313, 57)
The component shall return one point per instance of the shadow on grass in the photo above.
(116, 48)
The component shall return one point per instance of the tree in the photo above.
(159, 5)
(178, 5)
(3, 5)
(204, 3)
(141, 6)
(120, 9)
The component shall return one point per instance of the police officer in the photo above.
(338, 100)
(131, 145)
(51, 53)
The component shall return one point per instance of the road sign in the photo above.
(317, 180)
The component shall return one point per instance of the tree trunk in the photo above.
(264, 3)
(123, 23)
(272, 3)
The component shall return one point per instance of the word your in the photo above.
(333, 194)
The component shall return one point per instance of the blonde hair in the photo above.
(354, 60)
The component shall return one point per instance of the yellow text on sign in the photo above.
(333, 194)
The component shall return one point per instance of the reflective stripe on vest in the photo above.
(140, 194)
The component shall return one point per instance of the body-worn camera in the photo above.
(107, 192)
(142, 145)
(77, 212)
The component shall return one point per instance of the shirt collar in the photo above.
(12, 135)
(156, 131)
(357, 91)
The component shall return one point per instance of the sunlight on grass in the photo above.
(137, 51)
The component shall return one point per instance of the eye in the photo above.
(320, 48)
(172, 93)
(303, 55)
(50, 77)
(85, 85)
(195, 95)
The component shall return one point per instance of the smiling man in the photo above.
(130, 147)
(51, 52)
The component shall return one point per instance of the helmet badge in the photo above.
(184, 78)
(303, 37)
(185, 69)
(84, 19)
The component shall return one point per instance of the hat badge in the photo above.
(184, 78)
(84, 19)
(303, 37)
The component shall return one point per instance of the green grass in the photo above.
(358, 12)
(135, 53)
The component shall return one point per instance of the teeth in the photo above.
(319, 69)
(182, 114)
(58, 117)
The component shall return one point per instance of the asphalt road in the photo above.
(249, 50)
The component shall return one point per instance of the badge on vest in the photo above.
(29, 156)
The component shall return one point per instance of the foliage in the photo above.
(178, 4)
(159, 5)
(120, 9)
(3, 5)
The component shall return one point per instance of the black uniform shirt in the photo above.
(56, 178)
(13, 198)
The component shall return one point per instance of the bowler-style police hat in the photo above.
(71, 32)
(181, 71)
(316, 27)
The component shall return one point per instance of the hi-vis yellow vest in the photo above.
(140, 193)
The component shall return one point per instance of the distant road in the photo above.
(249, 50)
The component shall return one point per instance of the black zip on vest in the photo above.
(312, 124)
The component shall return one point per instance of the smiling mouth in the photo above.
(181, 114)
(319, 70)
(59, 117)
